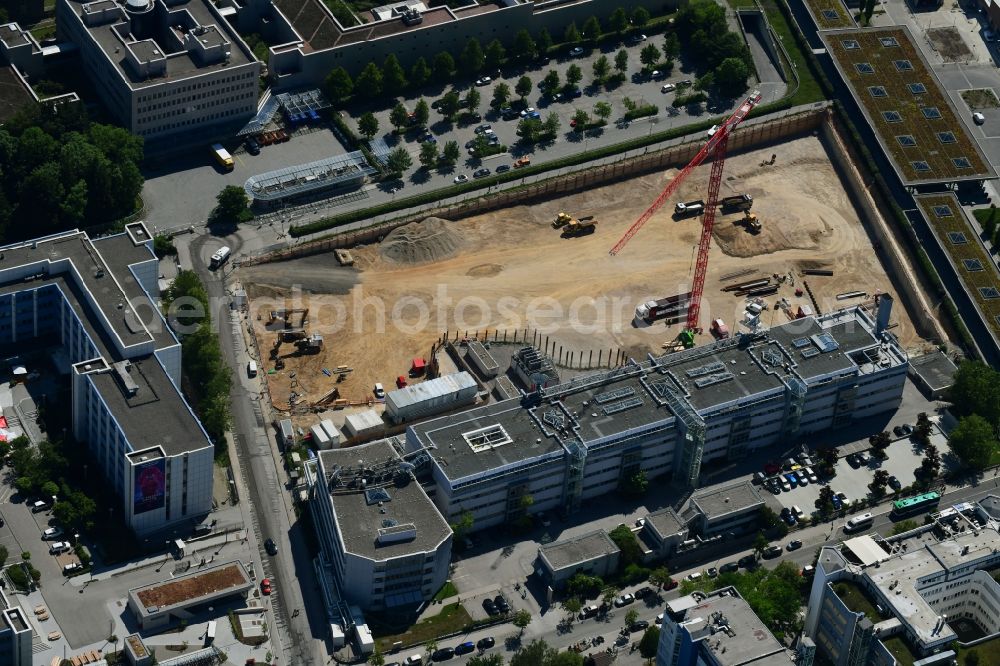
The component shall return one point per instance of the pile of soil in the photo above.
(431, 239)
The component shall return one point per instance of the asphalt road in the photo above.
(299, 636)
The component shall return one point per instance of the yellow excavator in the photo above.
(562, 219)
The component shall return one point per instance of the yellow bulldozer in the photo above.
(562, 219)
(751, 222)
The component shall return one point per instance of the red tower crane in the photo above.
(715, 146)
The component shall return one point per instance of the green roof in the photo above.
(830, 14)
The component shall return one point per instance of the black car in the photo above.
(271, 547)
(481, 173)
(252, 146)
(489, 606)
(748, 562)
(501, 604)
(643, 592)
(894, 483)
(443, 654)
(729, 566)
(502, 168)
(465, 648)
(638, 625)
(486, 643)
(712, 572)
(772, 551)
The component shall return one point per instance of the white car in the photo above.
(58, 547)
(625, 600)
(51, 533)
(667, 87)
(379, 391)
(978, 118)
(461, 178)
(711, 132)
(525, 112)
(485, 81)
(576, 51)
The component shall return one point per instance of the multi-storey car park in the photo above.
(665, 416)
(164, 67)
(93, 300)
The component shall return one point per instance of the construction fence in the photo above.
(752, 135)
(588, 359)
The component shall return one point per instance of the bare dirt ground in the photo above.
(948, 42)
(512, 270)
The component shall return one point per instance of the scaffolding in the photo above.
(795, 398)
(576, 462)
(304, 106)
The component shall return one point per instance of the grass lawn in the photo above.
(901, 651)
(983, 214)
(809, 89)
(447, 590)
(855, 599)
(451, 619)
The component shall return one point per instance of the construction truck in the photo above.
(671, 308)
(737, 202)
(562, 219)
(719, 329)
(689, 208)
(580, 227)
(751, 222)
(311, 345)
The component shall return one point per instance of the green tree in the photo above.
(973, 440)
(451, 152)
(399, 160)
(3, 555)
(869, 9)
(584, 586)
(574, 75)
(523, 87)
(731, 76)
(421, 112)
(566, 658)
(976, 391)
(903, 526)
(523, 46)
(376, 658)
(550, 84)
(494, 659)
(601, 69)
(444, 67)
(430, 647)
(368, 125)
(640, 17)
(521, 619)
(608, 594)
(636, 483)
(536, 653)
(399, 116)
(73, 208)
(449, 104)
(766, 518)
(495, 55)
(428, 158)
(603, 111)
(573, 605)
(232, 206)
(473, 99)
(760, 544)
(971, 658)
(369, 82)
(880, 479)
(671, 45)
(649, 55)
(544, 42)
(631, 551)
(922, 430)
(649, 642)
(501, 95)
(50, 489)
(631, 616)
(466, 520)
(592, 29)
(572, 33)
(824, 503)
(472, 58)
(660, 576)
(420, 73)
(879, 443)
(552, 124)
(618, 21)
(393, 76)
(621, 61)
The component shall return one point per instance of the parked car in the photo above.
(271, 547)
(71, 567)
(522, 162)
(527, 112)
(58, 547)
(793, 480)
(772, 468)
(489, 606)
(802, 477)
(894, 483)
(843, 498)
(658, 75)
(853, 460)
(443, 654)
(486, 643)
(748, 562)
(729, 567)
(51, 533)
(812, 475)
(643, 592)
(671, 584)
(837, 504)
(414, 660)
(484, 81)
(863, 457)
(636, 39)
(503, 168)
(772, 551)
(978, 118)
(625, 600)
(694, 576)
(808, 570)
(788, 516)
(465, 648)
(712, 572)
(501, 604)
(252, 146)
(668, 87)
(429, 138)
(265, 586)
(481, 173)
(575, 52)
(460, 178)
(638, 625)
(589, 611)
(794, 544)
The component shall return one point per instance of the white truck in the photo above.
(689, 208)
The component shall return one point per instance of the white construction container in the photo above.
(363, 423)
(331, 431)
(320, 439)
(431, 397)
(337, 635)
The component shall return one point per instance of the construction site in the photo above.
(787, 242)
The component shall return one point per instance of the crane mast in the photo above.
(716, 147)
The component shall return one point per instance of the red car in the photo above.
(265, 586)
(772, 468)
(671, 585)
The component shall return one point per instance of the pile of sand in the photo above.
(431, 239)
